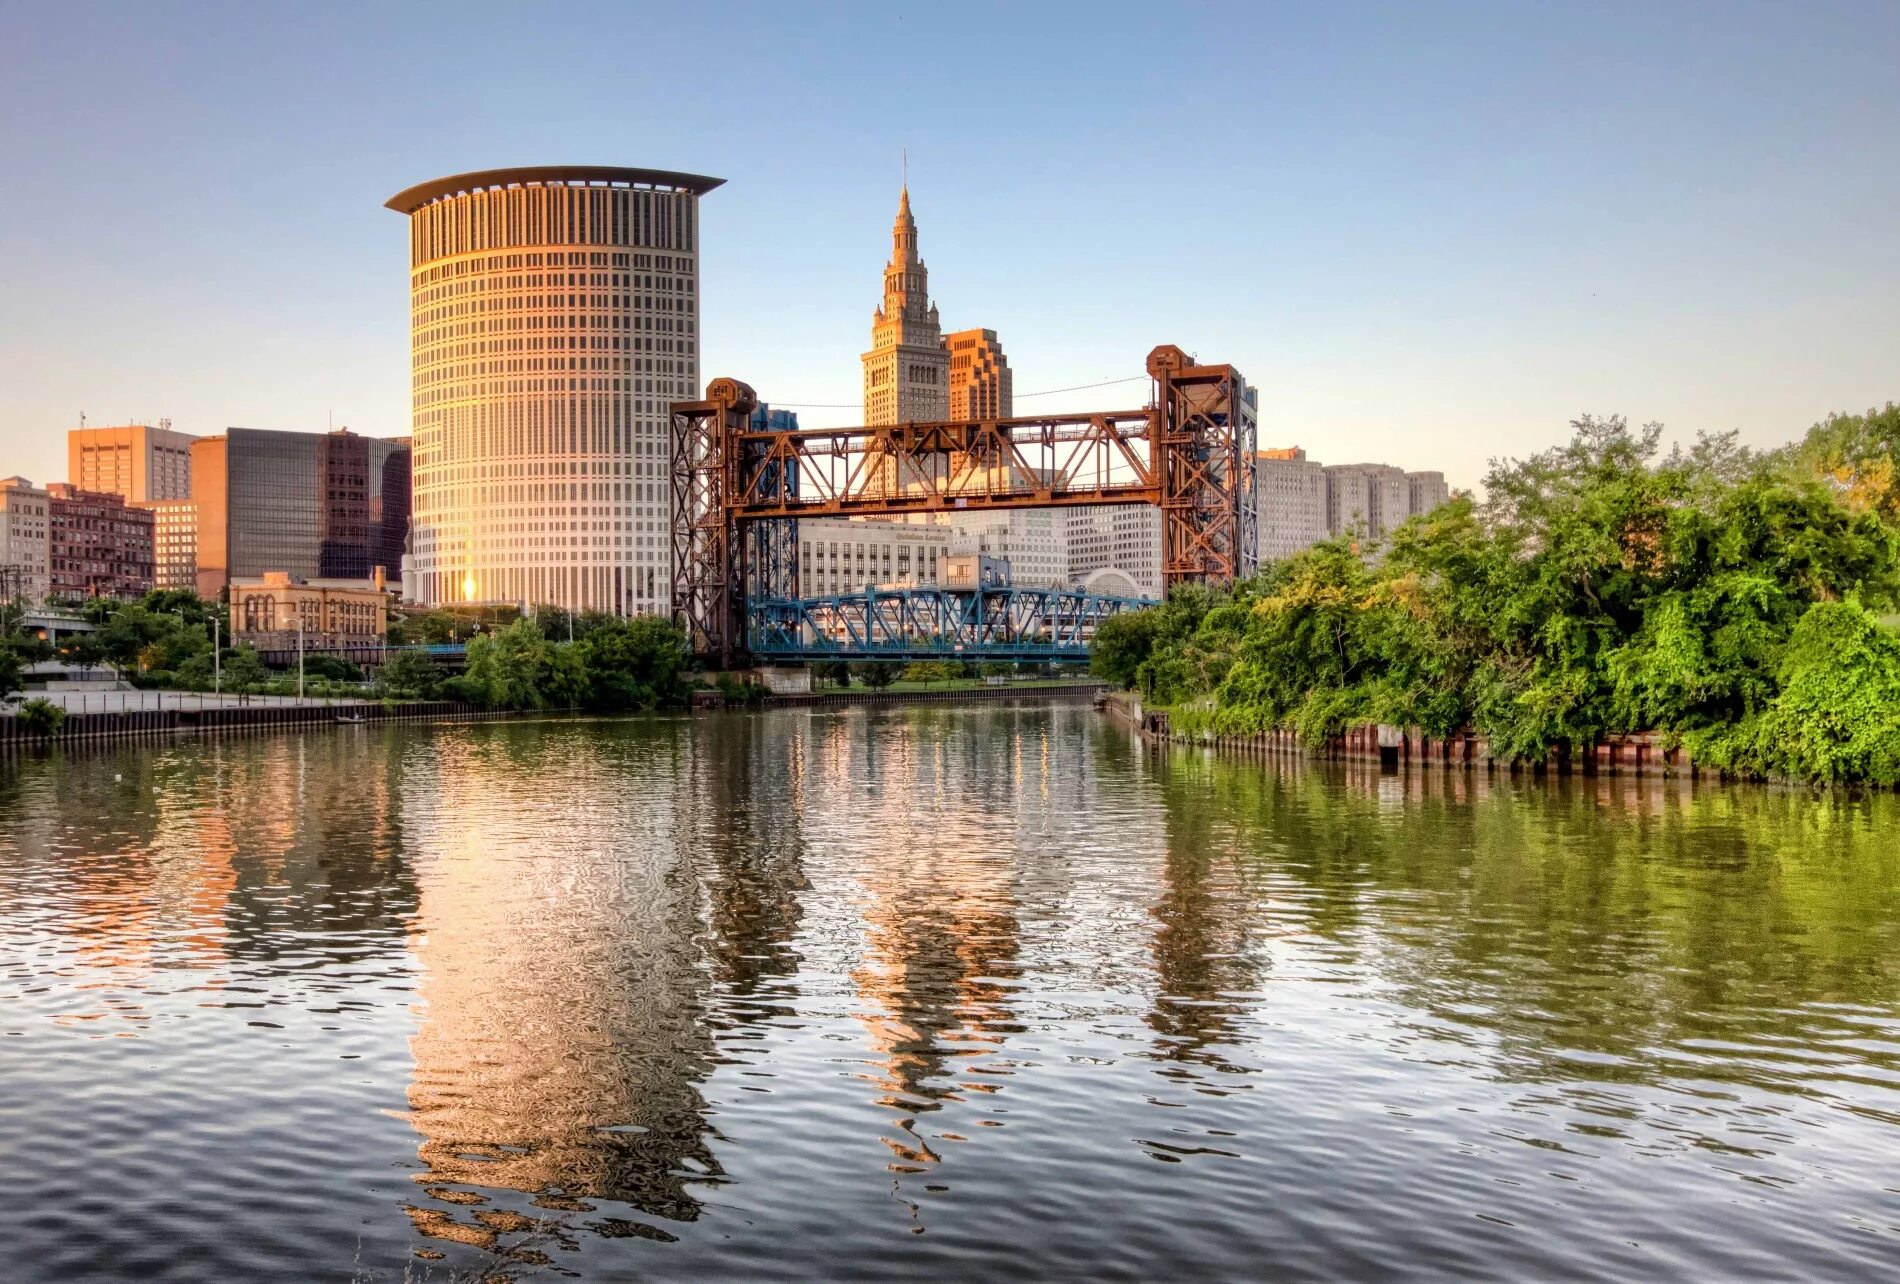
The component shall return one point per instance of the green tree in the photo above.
(244, 670)
(634, 664)
(12, 672)
(513, 668)
(41, 717)
(932, 671)
(1855, 454)
(1601, 588)
(410, 675)
(1836, 715)
(876, 674)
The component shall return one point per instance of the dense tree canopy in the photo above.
(1599, 589)
(620, 665)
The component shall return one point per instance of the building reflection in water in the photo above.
(1208, 964)
(939, 894)
(219, 855)
(562, 1043)
(739, 818)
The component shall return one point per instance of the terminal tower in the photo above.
(907, 370)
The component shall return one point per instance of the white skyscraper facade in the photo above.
(554, 319)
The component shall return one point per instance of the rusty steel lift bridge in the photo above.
(739, 484)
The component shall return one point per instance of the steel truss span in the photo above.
(932, 624)
(1190, 452)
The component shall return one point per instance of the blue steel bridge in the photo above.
(929, 623)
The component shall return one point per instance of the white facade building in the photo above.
(844, 555)
(174, 543)
(1121, 538)
(554, 319)
(1032, 540)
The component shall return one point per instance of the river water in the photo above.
(979, 993)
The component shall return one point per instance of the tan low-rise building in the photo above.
(267, 609)
(25, 540)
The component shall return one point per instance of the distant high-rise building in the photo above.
(1290, 500)
(1300, 502)
(97, 544)
(1374, 498)
(1426, 491)
(907, 370)
(25, 536)
(1348, 499)
(317, 505)
(554, 319)
(136, 462)
(979, 376)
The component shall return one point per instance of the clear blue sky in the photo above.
(1430, 233)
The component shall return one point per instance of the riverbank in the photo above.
(1646, 754)
(155, 723)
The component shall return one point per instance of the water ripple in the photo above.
(978, 992)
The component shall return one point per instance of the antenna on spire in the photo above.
(906, 155)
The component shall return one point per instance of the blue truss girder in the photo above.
(932, 624)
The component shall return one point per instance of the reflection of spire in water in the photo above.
(561, 1047)
(1202, 944)
(742, 812)
(942, 931)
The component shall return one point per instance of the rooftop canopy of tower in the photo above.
(409, 200)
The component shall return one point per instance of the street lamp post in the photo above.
(217, 657)
(300, 657)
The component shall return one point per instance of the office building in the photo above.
(97, 545)
(907, 370)
(319, 505)
(1348, 499)
(271, 610)
(554, 319)
(25, 543)
(137, 462)
(174, 542)
(1119, 539)
(1373, 498)
(979, 376)
(1031, 540)
(1289, 501)
(1300, 502)
(842, 555)
(1425, 491)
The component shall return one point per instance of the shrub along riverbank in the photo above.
(1730, 598)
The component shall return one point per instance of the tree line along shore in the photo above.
(1740, 602)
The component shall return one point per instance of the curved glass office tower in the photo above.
(554, 315)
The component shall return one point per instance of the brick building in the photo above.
(97, 545)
